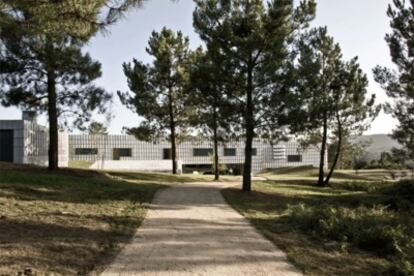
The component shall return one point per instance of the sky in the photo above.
(359, 26)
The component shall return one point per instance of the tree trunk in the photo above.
(173, 134)
(53, 121)
(338, 152)
(174, 151)
(249, 120)
(52, 108)
(321, 181)
(216, 155)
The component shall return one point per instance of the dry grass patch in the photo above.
(68, 223)
(80, 164)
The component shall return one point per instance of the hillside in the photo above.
(378, 143)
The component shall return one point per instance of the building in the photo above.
(122, 151)
(26, 142)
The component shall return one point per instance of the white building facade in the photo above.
(26, 142)
(118, 151)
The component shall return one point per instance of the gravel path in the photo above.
(191, 230)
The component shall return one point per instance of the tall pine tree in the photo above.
(76, 18)
(213, 112)
(49, 74)
(333, 97)
(253, 41)
(40, 48)
(399, 83)
(158, 90)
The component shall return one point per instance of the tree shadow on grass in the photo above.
(52, 247)
(68, 221)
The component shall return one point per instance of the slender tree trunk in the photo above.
(247, 170)
(173, 134)
(52, 111)
(249, 120)
(216, 154)
(321, 181)
(174, 151)
(337, 154)
(53, 122)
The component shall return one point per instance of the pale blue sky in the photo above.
(358, 25)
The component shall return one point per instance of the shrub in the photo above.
(365, 186)
(373, 229)
(400, 196)
(403, 189)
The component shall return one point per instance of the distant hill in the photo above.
(379, 143)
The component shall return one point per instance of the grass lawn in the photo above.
(74, 221)
(170, 178)
(79, 164)
(359, 226)
(310, 173)
(154, 177)
(67, 223)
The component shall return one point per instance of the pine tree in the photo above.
(97, 128)
(399, 84)
(40, 44)
(334, 96)
(49, 74)
(158, 90)
(252, 40)
(75, 18)
(213, 113)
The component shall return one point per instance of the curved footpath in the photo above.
(191, 230)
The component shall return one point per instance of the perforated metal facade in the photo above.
(190, 153)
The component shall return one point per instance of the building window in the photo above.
(86, 151)
(202, 152)
(230, 152)
(279, 153)
(254, 152)
(294, 158)
(122, 152)
(166, 154)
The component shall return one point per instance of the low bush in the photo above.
(363, 186)
(375, 229)
(400, 196)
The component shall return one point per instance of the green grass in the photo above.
(170, 178)
(310, 173)
(352, 227)
(66, 223)
(76, 164)
(74, 221)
